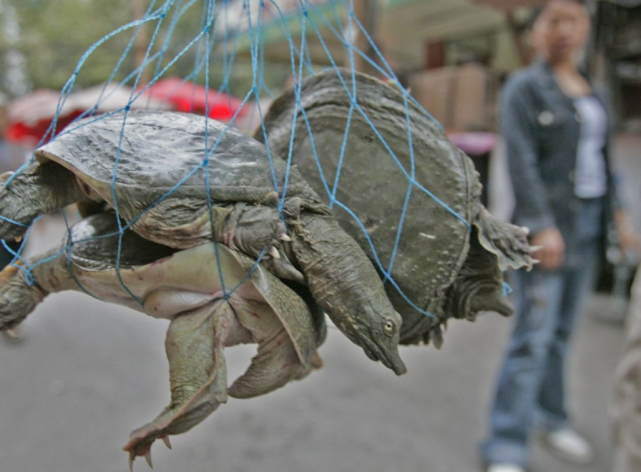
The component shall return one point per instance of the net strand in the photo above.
(218, 44)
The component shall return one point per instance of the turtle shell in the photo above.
(424, 204)
(153, 158)
(413, 197)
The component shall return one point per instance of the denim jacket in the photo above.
(541, 128)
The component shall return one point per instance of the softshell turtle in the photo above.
(451, 252)
(183, 286)
(178, 180)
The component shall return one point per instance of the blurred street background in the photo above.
(86, 373)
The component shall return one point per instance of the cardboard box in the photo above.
(461, 97)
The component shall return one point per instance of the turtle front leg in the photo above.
(254, 230)
(276, 362)
(197, 371)
(38, 189)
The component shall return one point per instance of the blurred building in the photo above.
(427, 42)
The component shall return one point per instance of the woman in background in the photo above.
(556, 133)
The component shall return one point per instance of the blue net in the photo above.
(227, 27)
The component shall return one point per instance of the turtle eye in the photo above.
(389, 326)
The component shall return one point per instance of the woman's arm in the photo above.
(520, 131)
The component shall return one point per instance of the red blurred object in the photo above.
(30, 135)
(473, 143)
(30, 116)
(190, 97)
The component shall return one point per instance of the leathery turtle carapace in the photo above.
(180, 180)
(449, 252)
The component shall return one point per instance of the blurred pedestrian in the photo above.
(626, 407)
(555, 128)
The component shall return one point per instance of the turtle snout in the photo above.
(393, 361)
(384, 350)
(397, 365)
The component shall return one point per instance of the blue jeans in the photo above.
(531, 386)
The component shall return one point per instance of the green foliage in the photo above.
(55, 34)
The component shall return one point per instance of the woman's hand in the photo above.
(625, 232)
(552, 248)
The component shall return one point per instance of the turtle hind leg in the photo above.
(508, 242)
(38, 189)
(478, 286)
(495, 246)
(275, 364)
(254, 230)
(17, 297)
(197, 372)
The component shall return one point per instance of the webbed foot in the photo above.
(198, 375)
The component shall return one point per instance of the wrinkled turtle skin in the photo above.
(154, 172)
(184, 287)
(443, 266)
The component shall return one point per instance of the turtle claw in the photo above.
(273, 251)
(139, 447)
(165, 439)
(12, 334)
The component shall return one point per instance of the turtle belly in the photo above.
(172, 285)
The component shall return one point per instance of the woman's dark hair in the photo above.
(536, 12)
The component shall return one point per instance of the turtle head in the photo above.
(378, 337)
(346, 286)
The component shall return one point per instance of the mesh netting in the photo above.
(226, 27)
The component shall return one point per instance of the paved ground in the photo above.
(87, 373)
